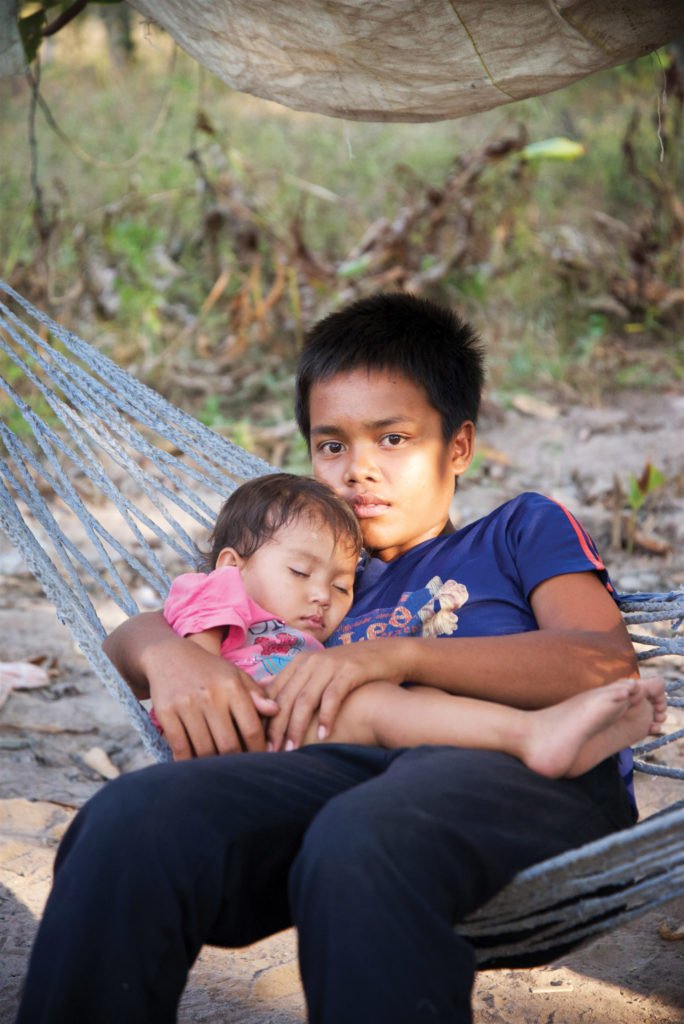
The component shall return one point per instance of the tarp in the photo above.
(411, 60)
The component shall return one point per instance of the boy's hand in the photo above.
(206, 705)
(318, 682)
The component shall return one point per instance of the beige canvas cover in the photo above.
(411, 60)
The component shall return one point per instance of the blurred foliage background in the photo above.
(194, 233)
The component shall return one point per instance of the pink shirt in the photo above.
(255, 641)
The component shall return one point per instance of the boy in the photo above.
(375, 855)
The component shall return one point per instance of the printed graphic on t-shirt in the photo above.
(268, 647)
(430, 611)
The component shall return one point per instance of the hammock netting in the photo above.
(103, 484)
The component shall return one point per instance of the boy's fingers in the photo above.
(331, 703)
(279, 681)
(208, 732)
(176, 736)
(286, 728)
(303, 711)
(265, 705)
(275, 729)
(308, 703)
(287, 690)
(241, 724)
(221, 719)
(261, 696)
(188, 738)
(230, 726)
(301, 688)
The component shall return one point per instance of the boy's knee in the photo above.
(130, 818)
(108, 817)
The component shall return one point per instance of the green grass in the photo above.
(274, 201)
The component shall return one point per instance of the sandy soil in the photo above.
(47, 738)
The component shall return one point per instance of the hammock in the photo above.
(101, 483)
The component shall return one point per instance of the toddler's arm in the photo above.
(209, 639)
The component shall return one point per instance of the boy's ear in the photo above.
(462, 447)
(229, 556)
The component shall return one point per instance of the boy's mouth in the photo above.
(368, 505)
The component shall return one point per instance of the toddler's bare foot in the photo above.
(570, 738)
(654, 687)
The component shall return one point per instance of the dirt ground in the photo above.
(56, 742)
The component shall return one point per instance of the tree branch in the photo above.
(64, 18)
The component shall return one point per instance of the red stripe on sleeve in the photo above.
(584, 540)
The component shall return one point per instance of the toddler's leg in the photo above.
(362, 712)
(565, 739)
(570, 738)
(386, 715)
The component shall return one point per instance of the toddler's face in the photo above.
(303, 576)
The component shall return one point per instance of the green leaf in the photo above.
(353, 267)
(655, 478)
(635, 495)
(640, 488)
(553, 149)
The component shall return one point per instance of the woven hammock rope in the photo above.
(102, 482)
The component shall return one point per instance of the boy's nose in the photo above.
(360, 466)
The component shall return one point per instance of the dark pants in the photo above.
(374, 855)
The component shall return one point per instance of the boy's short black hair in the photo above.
(396, 331)
(257, 509)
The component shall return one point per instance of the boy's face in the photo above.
(302, 576)
(378, 442)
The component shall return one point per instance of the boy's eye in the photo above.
(392, 440)
(298, 572)
(342, 590)
(330, 447)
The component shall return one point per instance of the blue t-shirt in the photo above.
(478, 578)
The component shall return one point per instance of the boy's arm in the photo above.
(204, 704)
(581, 643)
